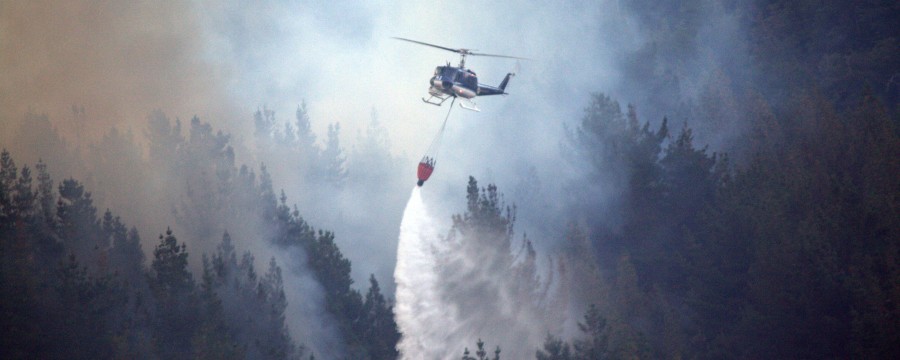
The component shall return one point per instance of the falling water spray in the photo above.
(426, 323)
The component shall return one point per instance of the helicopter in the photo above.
(458, 82)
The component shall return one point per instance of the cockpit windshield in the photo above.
(448, 72)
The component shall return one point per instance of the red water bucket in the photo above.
(425, 170)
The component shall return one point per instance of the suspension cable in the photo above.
(435, 143)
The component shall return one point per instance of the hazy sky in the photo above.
(224, 60)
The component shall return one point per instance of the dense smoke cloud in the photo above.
(118, 62)
(222, 62)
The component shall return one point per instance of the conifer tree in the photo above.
(8, 172)
(595, 346)
(213, 339)
(305, 135)
(177, 314)
(45, 197)
(23, 200)
(275, 341)
(554, 349)
(79, 227)
(380, 333)
(333, 157)
(82, 306)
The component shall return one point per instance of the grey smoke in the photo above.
(122, 61)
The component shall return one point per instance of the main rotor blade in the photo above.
(499, 56)
(463, 52)
(432, 45)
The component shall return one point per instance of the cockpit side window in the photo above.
(470, 80)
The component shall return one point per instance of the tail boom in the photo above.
(484, 90)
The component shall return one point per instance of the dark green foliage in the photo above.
(159, 309)
(596, 344)
(76, 286)
(554, 349)
(170, 274)
(593, 344)
(785, 257)
(78, 226)
(173, 290)
(368, 326)
(83, 304)
(842, 47)
(7, 184)
(249, 307)
(270, 291)
(380, 331)
(19, 288)
(213, 340)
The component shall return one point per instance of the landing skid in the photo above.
(469, 105)
(464, 103)
(435, 103)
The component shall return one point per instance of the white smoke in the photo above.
(426, 323)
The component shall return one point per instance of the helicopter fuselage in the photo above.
(454, 81)
(461, 82)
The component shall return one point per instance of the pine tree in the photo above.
(333, 272)
(45, 197)
(170, 275)
(275, 341)
(380, 333)
(23, 200)
(172, 285)
(8, 172)
(80, 311)
(554, 349)
(333, 157)
(20, 277)
(79, 227)
(596, 346)
(305, 135)
(213, 339)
